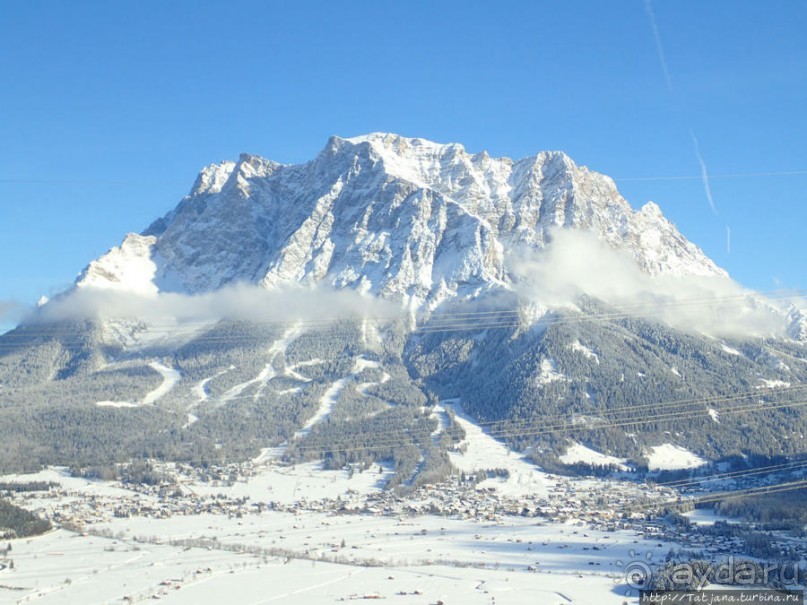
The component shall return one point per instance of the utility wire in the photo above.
(454, 322)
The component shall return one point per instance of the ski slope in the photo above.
(483, 452)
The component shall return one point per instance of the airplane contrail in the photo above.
(704, 173)
(648, 5)
(728, 239)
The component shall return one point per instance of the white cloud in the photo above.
(578, 263)
(11, 311)
(239, 302)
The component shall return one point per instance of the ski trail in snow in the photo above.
(200, 388)
(439, 412)
(331, 396)
(170, 379)
(117, 404)
(264, 377)
(278, 347)
(269, 454)
(370, 336)
(363, 364)
(326, 403)
(291, 371)
(364, 386)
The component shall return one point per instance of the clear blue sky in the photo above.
(109, 109)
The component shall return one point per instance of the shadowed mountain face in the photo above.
(249, 317)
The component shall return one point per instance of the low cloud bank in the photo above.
(238, 302)
(11, 311)
(577, 263)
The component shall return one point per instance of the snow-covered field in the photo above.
(707, 516)
(296, 553)
(216, 559)
(669, 457)
(578, 452)
(483, 452)
(294, 534)
(290, 484)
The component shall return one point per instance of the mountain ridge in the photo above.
(447, 220)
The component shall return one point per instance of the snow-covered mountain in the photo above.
(405, 219)
(117, 368)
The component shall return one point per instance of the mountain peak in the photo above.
(125, 268)
(651, 209)
(400, 144)
(212, 178)
(402, 218)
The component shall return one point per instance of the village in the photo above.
(242, 518)
(185, 491)
(571, 499)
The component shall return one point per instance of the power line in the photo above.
(539, 429)
(691, 177)
(714, 399)
(752, 491)
(97, 181)
(739, 474)
(89, 181)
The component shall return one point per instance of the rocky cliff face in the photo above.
(404, 219)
